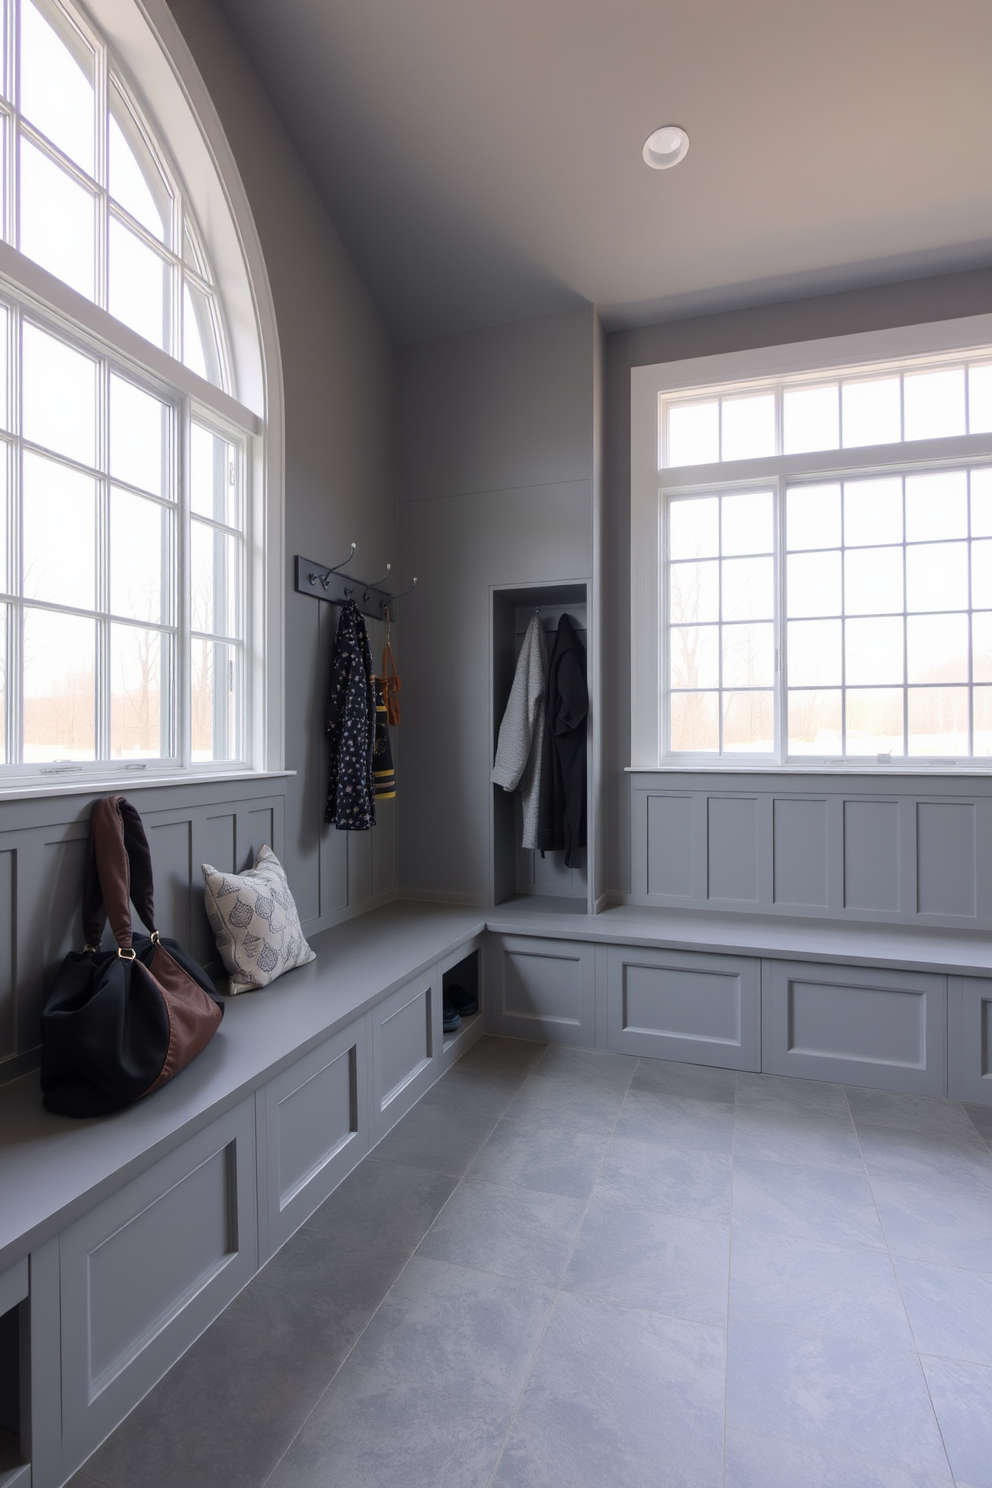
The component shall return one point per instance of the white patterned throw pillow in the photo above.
(255, 922)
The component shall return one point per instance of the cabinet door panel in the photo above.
(857, 1024)
(316, 1130)
(147, 1270)
(683, 1005)
(544, 989)
(969, 1039)
(406, 1049)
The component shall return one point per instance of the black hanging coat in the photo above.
(350, 722)
(562, 810)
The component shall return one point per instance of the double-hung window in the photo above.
(812, 554)
(129, 523)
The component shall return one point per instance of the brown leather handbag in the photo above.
(118, 1024)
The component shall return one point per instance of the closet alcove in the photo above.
(520, 873)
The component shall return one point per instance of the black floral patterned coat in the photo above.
(350, 722)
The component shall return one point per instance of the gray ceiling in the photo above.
(482, 158)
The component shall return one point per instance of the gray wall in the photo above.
(339, 368)
(497, 488)
(879, 308)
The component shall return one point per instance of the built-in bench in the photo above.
(122, 1238)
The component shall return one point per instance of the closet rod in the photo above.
(322, 582)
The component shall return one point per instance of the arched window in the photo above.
(135, 475)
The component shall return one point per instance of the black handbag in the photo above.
(118, 1024)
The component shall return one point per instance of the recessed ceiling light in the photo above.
(665, 147)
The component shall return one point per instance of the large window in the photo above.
(823, 582)
(126, 461)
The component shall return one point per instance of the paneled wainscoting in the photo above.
(903, 849)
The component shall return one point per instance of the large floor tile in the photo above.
(937, 1154)
(961, 1395)
(443, 1139)
(846, 1293)
(512, 1231)
(375, 1431)
(645, 1175)
(777, 1134)
(567, 1101)
(619, 1398)
(466, 1333)
(484, 1092)
(945, 1221)
(664, 1262)
(786, 1094)
(507, 1055)
(696, 1081)
(950, 1310)
(595, 1067)
(824, 1205)
(981, 1119)
(917, 1113)
(755, 1461)
(390, 1203)
(550, 1159)
(676, 1121)
(228, 1410)
(832, 1393)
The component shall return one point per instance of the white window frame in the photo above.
(174, 96)
(651, 384)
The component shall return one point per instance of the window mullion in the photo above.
(104, 679)
(15, 637)
(182, 722)
(781, 620)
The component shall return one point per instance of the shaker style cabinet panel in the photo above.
(856, 1024)
(969, 1039)
(406, 1049)
(147, 1270)
(683, 1005)
(313, 1129)
(543, 989)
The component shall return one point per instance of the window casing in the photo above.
(134, 529)
(815, 591)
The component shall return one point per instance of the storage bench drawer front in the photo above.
(969, 1034)
(858, 1025)
(544, 989)
(146, 1271)
(406, 1040)
(684, 1005)
(316, 1130)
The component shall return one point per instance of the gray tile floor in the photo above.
(567, 1269)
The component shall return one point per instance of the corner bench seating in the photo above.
(122, 1238)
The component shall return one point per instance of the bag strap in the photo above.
(118, 871)
(390, 681)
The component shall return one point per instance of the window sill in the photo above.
(129, 781)
(856, 767)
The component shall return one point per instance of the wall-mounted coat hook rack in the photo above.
(330, 584)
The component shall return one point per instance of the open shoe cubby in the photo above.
(12, 1458)
(465, 974)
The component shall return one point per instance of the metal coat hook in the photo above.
(376, 582)
(405, 591)
(325, 578)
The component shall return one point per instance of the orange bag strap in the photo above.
(390, 681)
